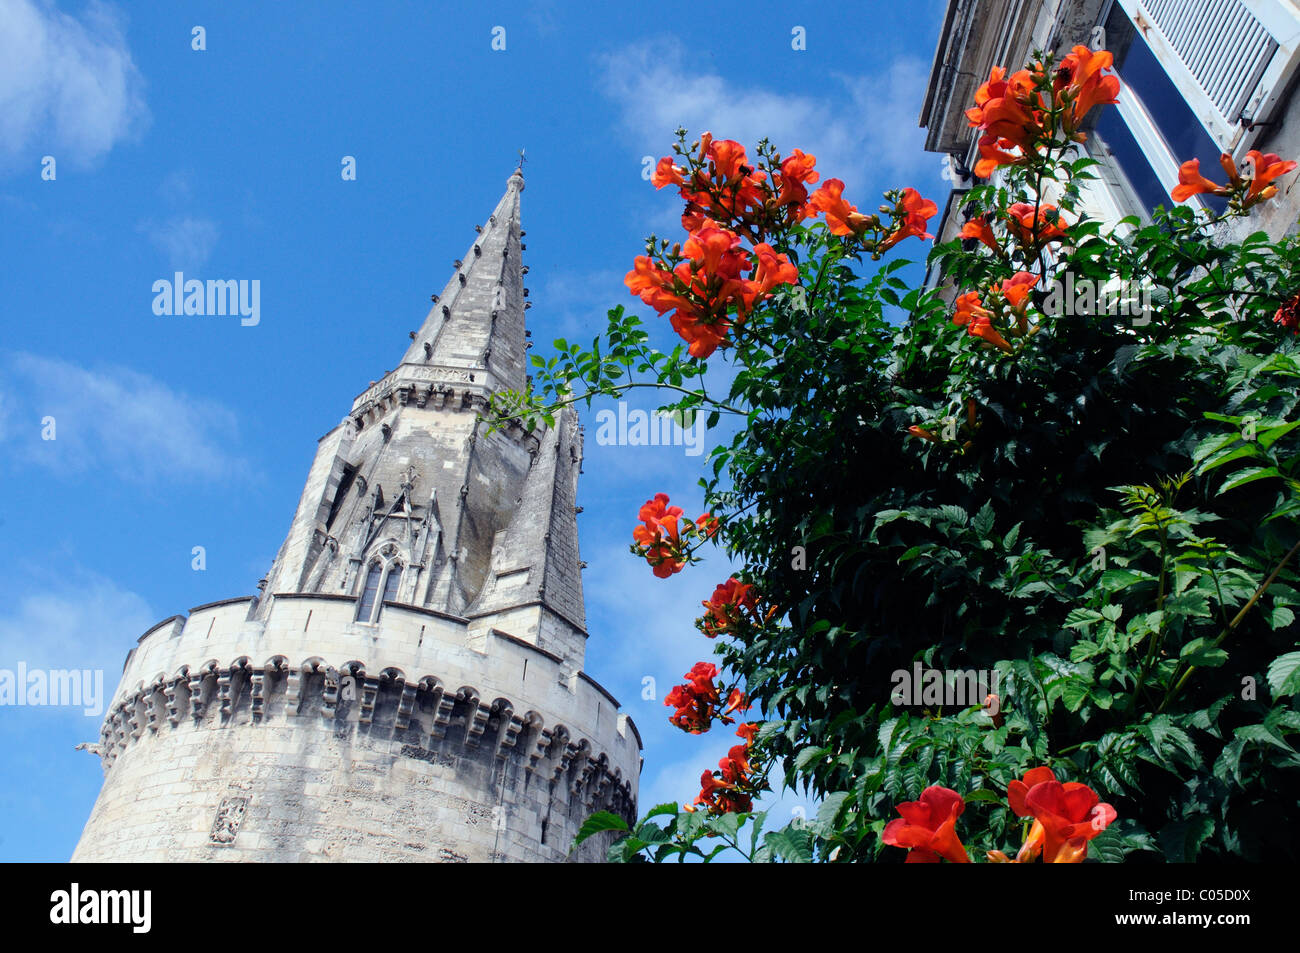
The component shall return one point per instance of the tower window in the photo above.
(366, 607)
(391, 582)
(383, 579)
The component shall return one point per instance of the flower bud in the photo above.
(1230, 168)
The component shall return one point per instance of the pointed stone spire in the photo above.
(478, 320)
(413, 488)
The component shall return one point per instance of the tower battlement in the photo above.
(409, 684)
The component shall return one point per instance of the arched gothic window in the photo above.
(380, 578)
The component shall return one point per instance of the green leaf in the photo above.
(809, 756)
(1272, 435)
(1082, 618)
(1284, 675)
(1280, 617)
(1204, 653)
(728, 824)
(1075, 693)
(791, 844)
(1249, 475)
(600, 821)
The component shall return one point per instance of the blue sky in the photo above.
(176, 432)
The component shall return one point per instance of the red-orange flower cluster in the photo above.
(978, 321)
(728, 197)
(722, 184)
(979, 228)
(725, 611)
(1035, 226)
(663, 536)
(730, 788)
(1079, 84)
(1066, 816)
(696, 702)
(1023, 111)
(841, 217)
(1009, 302)
(1265, 167)
(1010, 111)
(707, 284)
(913, 212)
(1289, 314)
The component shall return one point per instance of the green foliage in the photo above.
(1107, 518)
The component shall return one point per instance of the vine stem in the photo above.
(1236, 620)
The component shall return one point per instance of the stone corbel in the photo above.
(442, 708)
(369, 692)
(173, 704)
(132, 711)
(405, 706)
(476, 718)
(151, 706)
(196, 696)
(540, 748)
(331, 694)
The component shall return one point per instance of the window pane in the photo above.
(368, 593)
(1150, 191)
(390, 584)
(1143, 75)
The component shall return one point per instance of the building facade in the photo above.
(1198, 78)
(409, 683)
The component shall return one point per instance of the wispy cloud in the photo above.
(185, 237)
(79, 620)
(114, 419)
(187, 241)
(870, 128)
(68, 85)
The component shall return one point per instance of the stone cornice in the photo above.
(421, 713)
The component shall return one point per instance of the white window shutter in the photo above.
(1230, 59)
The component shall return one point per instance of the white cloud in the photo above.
(68, 85)
(82, 622)
(114, 419)
(185, 240)
(872, 130)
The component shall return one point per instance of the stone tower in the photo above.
(409, 684)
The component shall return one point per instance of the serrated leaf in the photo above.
(1249, 475)
(598, 822)
(1284, 675)
(790, 844)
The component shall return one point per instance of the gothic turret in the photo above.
(409, 683)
